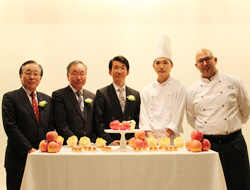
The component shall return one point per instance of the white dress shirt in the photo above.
(162, 107)
(117, 90)
(81, 94)
(218, 106)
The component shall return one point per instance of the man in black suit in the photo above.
(73, 105)
(108, 106)
(24, 126)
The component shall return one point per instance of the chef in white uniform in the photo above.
(163, 102)
(218, 105)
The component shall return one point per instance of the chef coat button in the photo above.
(201, 96)
(167, 119)
(204, 109)
(219, 80)
(225, 119)
(151, 108)
(226, 132)
(221, 92)
(205, 122)
(167, 107)
(168, 94)
(223, 105)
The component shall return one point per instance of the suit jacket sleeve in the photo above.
(15, 135)
(59, 116)
(99, 110)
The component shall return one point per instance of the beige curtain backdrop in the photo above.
(55, 33)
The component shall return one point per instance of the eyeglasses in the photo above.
(207, 59)
(32, 74)
(75, 75)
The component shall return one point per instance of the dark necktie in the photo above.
(79, 100)
(35, 106)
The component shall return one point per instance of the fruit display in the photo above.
(139, 140)
(197, 143)
(52, 144)
(124, 125)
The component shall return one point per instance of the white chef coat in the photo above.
(218, 106)
(162, 107)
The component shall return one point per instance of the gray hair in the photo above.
(75, 62)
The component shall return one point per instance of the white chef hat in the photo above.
(163, 47)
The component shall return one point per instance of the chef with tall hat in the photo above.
(163, 101)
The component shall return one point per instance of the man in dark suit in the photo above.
(73, 105)
(24, 126)
(111, 102)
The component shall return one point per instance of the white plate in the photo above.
(121, 131)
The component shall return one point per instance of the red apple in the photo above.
(138, 143)
(53, 147)
(195, 146)
(60, 143)
(51, 136)
(43, 145)
(205, 145)
(114, 124)
(125, 123)
(196, 135)
(140, 135)
(187, 145)
(131, 142)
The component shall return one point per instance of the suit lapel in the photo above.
(113, 95)
(23, 97)
(72, 98)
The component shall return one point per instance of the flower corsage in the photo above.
(42, 103)
(88, 101)
(131, 98)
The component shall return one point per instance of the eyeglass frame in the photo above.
(75, 75)
(207, 59)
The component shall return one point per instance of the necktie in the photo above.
(121, 98)
(35, 106)
(79, 100)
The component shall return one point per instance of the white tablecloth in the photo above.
(144, 170)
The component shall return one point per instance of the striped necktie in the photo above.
(79, 100)
(121, 98)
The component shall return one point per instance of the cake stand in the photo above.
(123, 144)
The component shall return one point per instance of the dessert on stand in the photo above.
(123, 144)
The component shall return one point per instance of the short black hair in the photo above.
(30, 62)
(120, 59)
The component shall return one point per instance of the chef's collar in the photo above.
(215, 77)
(74, 90)
(163, 83)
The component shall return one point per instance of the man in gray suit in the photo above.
(73, 105)
(108, 105)
(27, 117)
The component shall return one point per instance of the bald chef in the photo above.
(163, 101)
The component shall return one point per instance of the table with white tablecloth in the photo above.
(114, 170)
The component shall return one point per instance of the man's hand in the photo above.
(32, 150)
(115, 143)
(168, 133)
